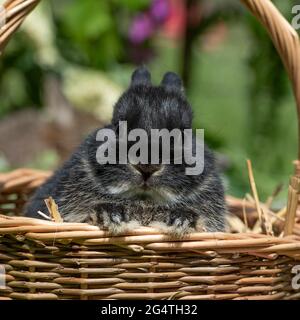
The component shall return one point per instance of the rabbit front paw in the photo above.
(176, 222)
(116, 219)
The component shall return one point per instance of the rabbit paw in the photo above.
(116, 220)
(177, 223)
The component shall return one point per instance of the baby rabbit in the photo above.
(120, 196)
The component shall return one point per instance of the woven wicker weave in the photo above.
(12, 15)
(49, 260)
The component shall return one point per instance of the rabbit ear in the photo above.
(141, 76)
(172, 81)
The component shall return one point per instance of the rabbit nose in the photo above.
(147, 170)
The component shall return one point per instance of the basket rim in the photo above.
(146, 237)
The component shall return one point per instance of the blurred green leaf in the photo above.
(87, 19)
(134, 5)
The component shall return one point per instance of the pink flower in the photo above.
(141, 28)
(160, 10)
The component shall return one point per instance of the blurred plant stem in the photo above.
(188, 43)
(200, 16)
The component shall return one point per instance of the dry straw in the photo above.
(55, 260)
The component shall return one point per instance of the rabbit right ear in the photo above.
(141, 76)
(172, 81)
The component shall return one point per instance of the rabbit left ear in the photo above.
(172, 81)
(141, 76)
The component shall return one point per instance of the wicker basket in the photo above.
(51, 260)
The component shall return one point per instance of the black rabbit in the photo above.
(120, 196)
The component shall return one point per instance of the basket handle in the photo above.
(286, 41)
(12, 15)
(284, 37)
